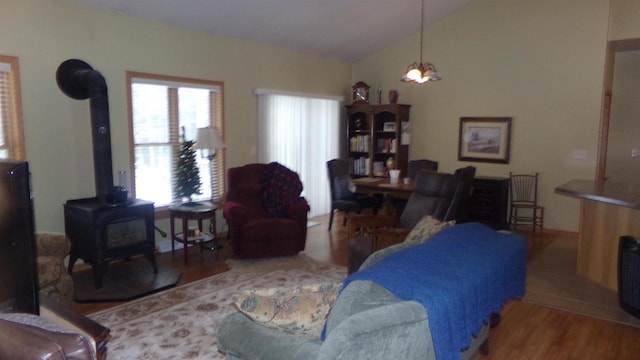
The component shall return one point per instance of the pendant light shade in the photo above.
(421, 72)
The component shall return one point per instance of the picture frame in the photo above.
(389, 127)
(485, 139)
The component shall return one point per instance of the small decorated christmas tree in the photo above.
(187, 174)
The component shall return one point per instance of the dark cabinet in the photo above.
(378, 137)
(489, 202)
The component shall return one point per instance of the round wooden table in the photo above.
(193, 211)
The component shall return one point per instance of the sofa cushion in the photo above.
(300, 310)
(426, 228)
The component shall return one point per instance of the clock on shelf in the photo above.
(360, 93)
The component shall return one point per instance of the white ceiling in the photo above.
(347, 30)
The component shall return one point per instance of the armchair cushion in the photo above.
(299, 310)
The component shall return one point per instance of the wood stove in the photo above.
(109, 226)
(100, 234)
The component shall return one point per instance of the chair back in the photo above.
(523, 189)
(418, 165)
(433, 195)
(339, 180)
(461, 201)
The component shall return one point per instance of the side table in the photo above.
(195, 211)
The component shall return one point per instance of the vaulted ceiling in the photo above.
(347, 30)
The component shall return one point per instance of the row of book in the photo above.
(359, 143)
(359, 166)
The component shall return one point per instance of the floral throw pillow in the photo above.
(426, 228)
(300, 310)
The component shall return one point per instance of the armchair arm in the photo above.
(49, 244)
(64, 316)
(395, 331)
(237, 215)
(298, 211)
(359, 225)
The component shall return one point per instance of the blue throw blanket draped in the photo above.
(461, 275)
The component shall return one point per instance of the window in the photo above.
(11, 129)
(162, 110)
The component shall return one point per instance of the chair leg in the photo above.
(330, 220)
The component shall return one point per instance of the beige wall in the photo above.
(624, 19)
(539, 62)
(44, 33)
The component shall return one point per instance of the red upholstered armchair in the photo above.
(267, 217)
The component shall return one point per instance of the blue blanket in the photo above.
(461, 276)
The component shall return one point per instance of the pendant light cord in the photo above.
(421, 29)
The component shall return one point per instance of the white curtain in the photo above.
(301, 132)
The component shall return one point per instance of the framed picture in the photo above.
(389, 127)
(484, 139)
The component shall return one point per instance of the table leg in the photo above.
(185, 237)
(173, 233)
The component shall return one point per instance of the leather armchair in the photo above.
(267, 217)
(58, 333)
(435, 194)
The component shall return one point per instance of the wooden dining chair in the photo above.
(525, 209)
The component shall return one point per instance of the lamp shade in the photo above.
(209, 139)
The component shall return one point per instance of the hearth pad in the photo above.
(124, 281)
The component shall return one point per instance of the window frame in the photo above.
(219, 167)
(14, 127)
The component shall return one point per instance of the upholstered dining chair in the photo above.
(525, 209)
(342, 197)
(415, 166)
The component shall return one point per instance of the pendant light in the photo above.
(421, 72)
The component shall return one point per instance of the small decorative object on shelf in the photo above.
(393, 96)
(360, 93)
(391, 164)
(379, 95)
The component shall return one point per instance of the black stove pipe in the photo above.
(80, 81)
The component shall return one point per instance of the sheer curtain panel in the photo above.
(301, 132)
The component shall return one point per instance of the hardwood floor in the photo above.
(527, 331)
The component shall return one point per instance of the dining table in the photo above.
(392, 193)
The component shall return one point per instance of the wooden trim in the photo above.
(613, 47)
(15, 135)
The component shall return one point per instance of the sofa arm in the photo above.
(241, 338)
(394, 331)
(380, 254)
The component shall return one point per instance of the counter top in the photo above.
(614, 193)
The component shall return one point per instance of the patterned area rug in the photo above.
(181, 323)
